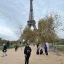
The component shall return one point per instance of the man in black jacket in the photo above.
(4, 50)
(27, 52)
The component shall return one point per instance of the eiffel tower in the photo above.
(31, 22)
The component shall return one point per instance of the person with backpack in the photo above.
(27, 52)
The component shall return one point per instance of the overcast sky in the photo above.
(14, 12)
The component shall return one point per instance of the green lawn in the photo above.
(60, 48)
(0, 47)
(8, 48)
(11, 46)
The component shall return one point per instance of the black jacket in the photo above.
(4, 48)
(27, 51)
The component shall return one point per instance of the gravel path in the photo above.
(18, 57)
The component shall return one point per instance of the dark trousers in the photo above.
(16, 49)
(46, 52)
(26, 60)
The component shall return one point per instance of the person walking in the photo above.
(16, 47)
(38, 50)
(37, 45)
(27, 52)
(4, 50)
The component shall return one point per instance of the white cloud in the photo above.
(14, 12)
(7, 33)
(60, 34)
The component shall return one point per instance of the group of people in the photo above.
(27, 51)
(40, 51)
(4, 49)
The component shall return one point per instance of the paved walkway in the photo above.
(18, 57)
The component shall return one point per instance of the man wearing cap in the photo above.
(27, 52)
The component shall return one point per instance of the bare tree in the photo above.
(18, 31)
(47, 28)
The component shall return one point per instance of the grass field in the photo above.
(59, 47)
(0, 47)
(12, 46)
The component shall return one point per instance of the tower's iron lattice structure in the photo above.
(31, 21)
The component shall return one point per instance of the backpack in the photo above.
(28, 51)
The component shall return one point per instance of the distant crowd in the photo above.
(40, 51)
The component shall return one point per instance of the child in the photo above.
(41, 52)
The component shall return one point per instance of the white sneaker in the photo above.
(2, 56)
